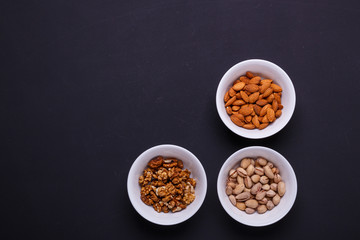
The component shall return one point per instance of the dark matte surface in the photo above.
(87, 86)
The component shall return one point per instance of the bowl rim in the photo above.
(221, 186)
(244, 132)
(132, 171)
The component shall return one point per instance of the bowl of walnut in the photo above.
(257, 186)
(255, 98)
(167, 184)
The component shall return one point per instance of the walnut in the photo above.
(175, 180)
(157, 207)
(162, 174)
(166, 186)
(156, 162)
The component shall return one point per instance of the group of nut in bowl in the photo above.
(256, 185)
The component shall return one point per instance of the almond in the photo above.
(270, 114)
(226, 97)
(263, 125)
(255, 80)
(246, 110)
(250, 74)
(265, 119)
(244, 79)
(277, 97)
(244, 96)
(280, 106)
(266, 81)
(238, 102)
(278, 113)
(236, 81)
(237, 121)
(230, 101)
(251, 88)
(263, 110)
(249, 126)
(264, 86)
(255, 121)
(276, 87)
(257, 109)
(232, 92)
(267, 92)
(229, 110)
(238, 86)
(248, 119)
(240, 116)
(270, 98)
(235, 108)
(261, 102)
(254, 97)
(275, 105)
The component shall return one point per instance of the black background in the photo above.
(87, 86)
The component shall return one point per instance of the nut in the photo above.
(245, 162)
(251, 203)
(256, 188)
(260, 195)
(259, 171)
(276, 199)
(232, 199)
(247, 181)
(228, 190)
(238, 189)
(268, 172)
(270, 205)
(281, 188)
(255, 178)
(262, 209)
(249, 210)
(241, 172)
(240, 205)
(270, 193)
(250, 170)
(243, 196)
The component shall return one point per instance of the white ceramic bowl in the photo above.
(286, 172)
(265, 69)
(190, 162)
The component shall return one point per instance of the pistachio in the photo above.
(243, 196)
(260, 195)
(270, 193)
(245, 162)
(270, 205)
(270, 164)
(228, 190)
(239, 180)
(264, 179)
(276, 199)
(231, 184)
(232, 173)
(281, 188)
(255, 188)
(248, 182)
(241, 206)
(262, 161)
(277, 178)
(255, 178)
(250, 170)
(261, 209)
(232, 199)
(268, 172)
(251, 203)
(249, 210)
(238, 189)
(266, 187)
(273, 186)
(241, 172)
(263, 201)
(259, 171)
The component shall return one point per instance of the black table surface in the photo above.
(87, 86)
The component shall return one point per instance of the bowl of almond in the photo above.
(166, 184)
(255, 98)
